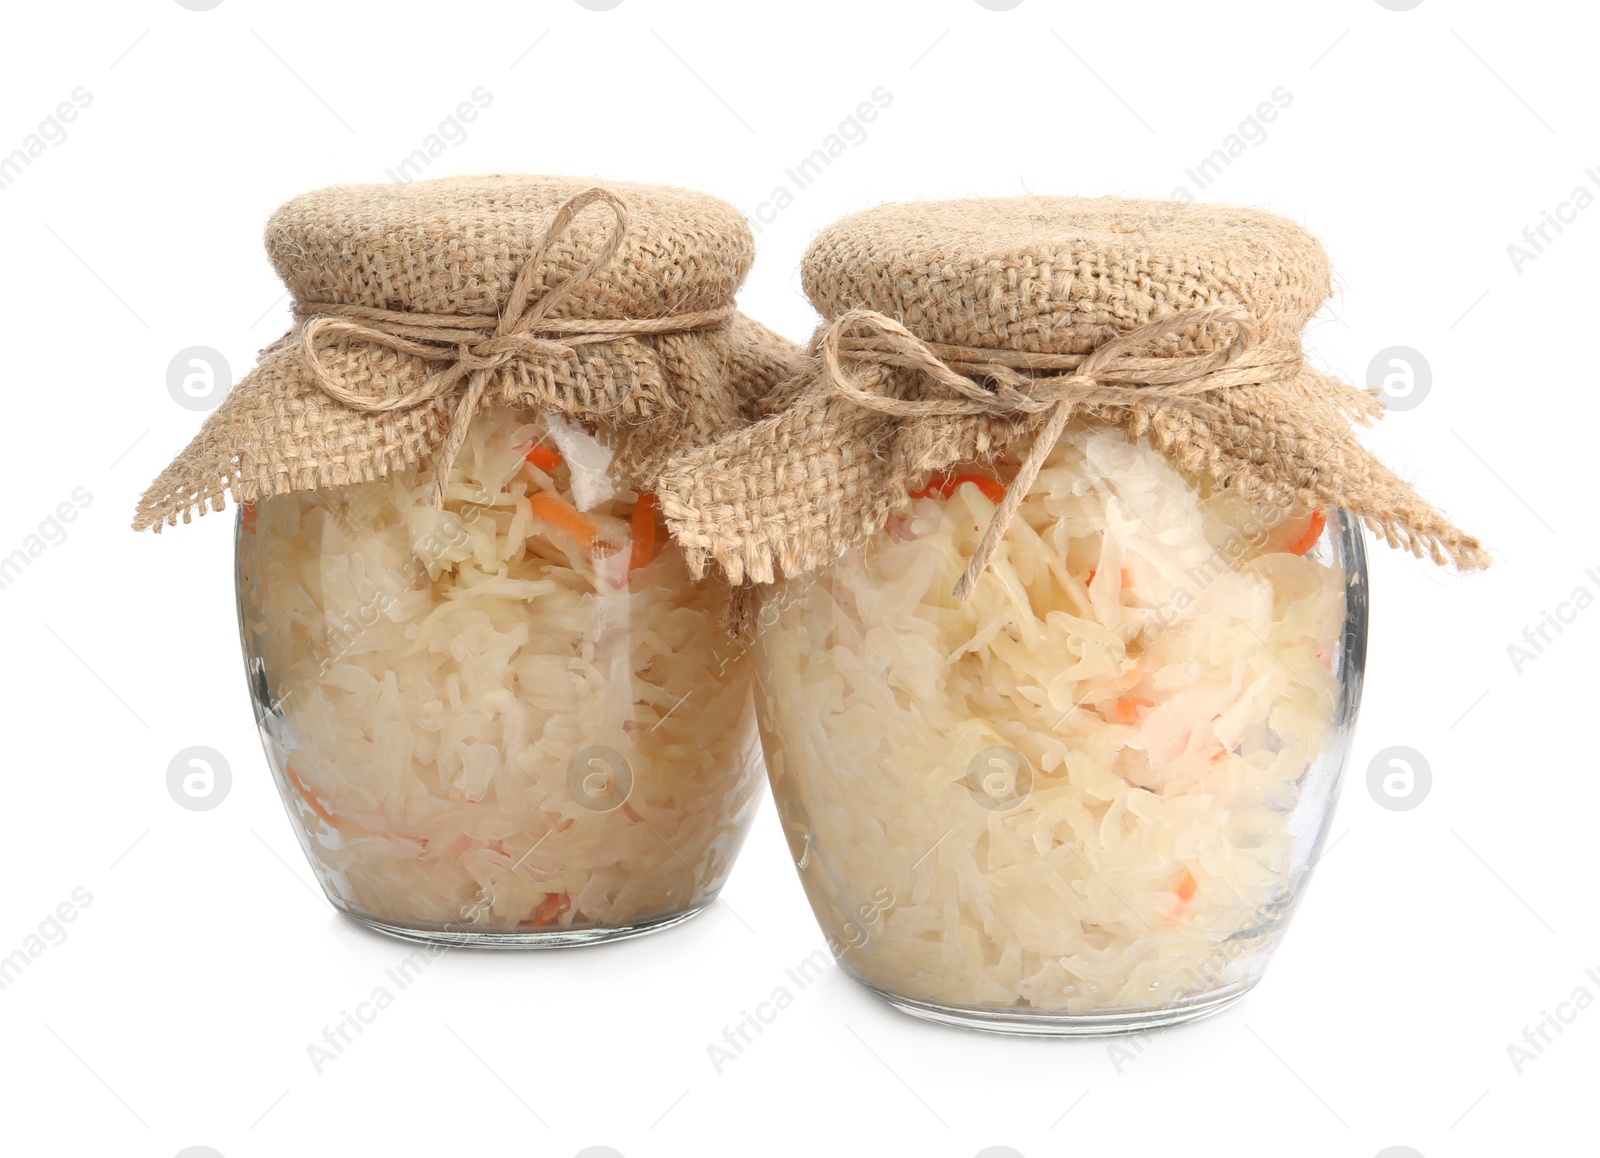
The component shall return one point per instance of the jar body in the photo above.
(1087, 801)
(515, 721)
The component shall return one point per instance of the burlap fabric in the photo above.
(975, 330)
(418, 304)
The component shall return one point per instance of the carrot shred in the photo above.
(1128, 710)
(1185, 889)
(308, 796)
(1126, 576)
(553, 905)
(563, 515)
(544, 458)
(1313, 532)
(644, 531)
(992, 489)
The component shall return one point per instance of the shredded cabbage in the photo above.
(1160, 659)
(455, 701)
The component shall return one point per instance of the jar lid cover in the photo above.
(1063, 274)
(455, 246)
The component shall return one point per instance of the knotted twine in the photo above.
(416, 282)
(1113, 374)
(821, 473)
(473, 346)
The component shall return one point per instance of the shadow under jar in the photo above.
(1087, 801)
(512, 722)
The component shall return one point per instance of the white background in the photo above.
(178, 1009)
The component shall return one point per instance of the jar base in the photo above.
(1051, 1023)
(556, 938)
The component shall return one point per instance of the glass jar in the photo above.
(1089, 800)
(513, 722)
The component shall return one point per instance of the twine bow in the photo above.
(474, 346)
(984, 381)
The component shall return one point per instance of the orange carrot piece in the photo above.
(544, 458)
(992, 489)
(562, 514)
(1313, 532)
(1126, 576)
(1186, 886)
(1128, 710)
(553, 905)
(644, 531)
(308, 796)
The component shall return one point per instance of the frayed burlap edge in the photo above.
(277, 431)
(795, 490)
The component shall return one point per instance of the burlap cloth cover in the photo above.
(610, 305)
(973, 329)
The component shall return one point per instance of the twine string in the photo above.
(981, 381)
(469, 348)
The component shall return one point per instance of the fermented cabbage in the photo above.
(1097, 785)
(517, 715)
